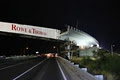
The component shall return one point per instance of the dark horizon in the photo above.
(100, 19)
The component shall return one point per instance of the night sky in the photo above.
(99, 18)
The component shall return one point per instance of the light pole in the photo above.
(26, 48)
(56, 48)
(112, 49)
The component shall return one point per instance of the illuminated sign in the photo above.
(29, 30)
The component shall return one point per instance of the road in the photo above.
(37, 69)
(49, 71)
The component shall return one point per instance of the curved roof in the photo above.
(79, 37)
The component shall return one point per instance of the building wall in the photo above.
(79, 37)
(88, 51)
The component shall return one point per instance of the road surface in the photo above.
(37, 69)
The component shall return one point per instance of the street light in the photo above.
(26, 48)
(37, 52)
(56, 48)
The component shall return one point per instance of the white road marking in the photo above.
(14, 65)
(61, 71)
(29, 70)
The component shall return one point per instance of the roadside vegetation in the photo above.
(103, 63)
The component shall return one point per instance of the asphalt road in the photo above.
(10, 72)
(37, 69)
(49, 71)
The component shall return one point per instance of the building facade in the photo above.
(86, 43)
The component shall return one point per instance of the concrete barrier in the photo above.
(99, 77)
(77, 65)
(84, 69)
(75, 72)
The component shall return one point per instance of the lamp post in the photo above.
(56, 48)
(112, 49)
(26, 48)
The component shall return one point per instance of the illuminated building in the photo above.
(86, 42)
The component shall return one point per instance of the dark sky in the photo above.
(99, 18)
